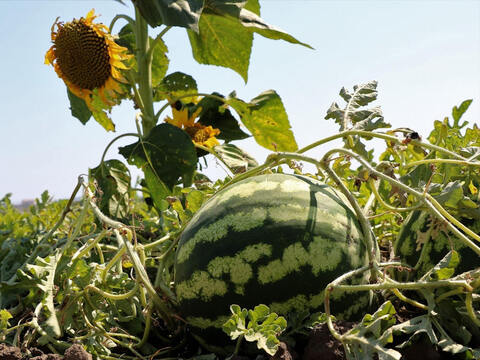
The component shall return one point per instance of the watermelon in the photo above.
(274, 239)
(422, 232)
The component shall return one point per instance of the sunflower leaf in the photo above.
(167, 151)
(222, 41)
(113, 183)
(216, 115)
(175, 85)
(225, 34)
(265, 117)
(160, 61)
(102, 118)
(79, 108)
(184, 13)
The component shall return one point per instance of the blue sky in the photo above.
(424, 54)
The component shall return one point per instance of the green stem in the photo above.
(159, 241)
(113, 261)
(122, 16)
(113, 296)
(144, 72)
(442, 161)
(81, 252)
(237, 345)
(373, 187)
(154, 43)
(370, 134)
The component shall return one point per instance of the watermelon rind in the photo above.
(423, 240)
(275, 239)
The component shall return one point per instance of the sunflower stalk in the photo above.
(144, 63)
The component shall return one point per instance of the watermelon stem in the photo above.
(390, 138)
(434, 206)
(119, 229)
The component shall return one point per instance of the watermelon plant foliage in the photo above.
(99, 268)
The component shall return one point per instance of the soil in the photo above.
(320, 345)
(74, 352)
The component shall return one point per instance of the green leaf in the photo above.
(184, 13)
(79, 108)
(451, 194)
(4, 317)
(167, 150)
(225, 34)
(194, 200)
(216, 115)
(415, 327)
(160, 61)
(126, 38)
(222, 41)
(352, 117)
(255, 23)
(113, 187)
(157, 189)
(257, 325)
(44, 269)
(176, 85)
(445, 268)
(236, 159)
(371, 335)
(457, 112)
(266, 118)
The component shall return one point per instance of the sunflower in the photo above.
(199, 133)
(86, 57)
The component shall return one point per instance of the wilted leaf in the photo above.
(236, 159)
(102, 118)
(266, 118)
(167, 150)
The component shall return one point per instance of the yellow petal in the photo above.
(211, 142)
(50, 56)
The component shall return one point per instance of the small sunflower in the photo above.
(199, 133)
(86, 57)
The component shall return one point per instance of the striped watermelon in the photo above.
(423, 232)
(275, 239)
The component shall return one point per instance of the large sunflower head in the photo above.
(86, 57)
(199, 133)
